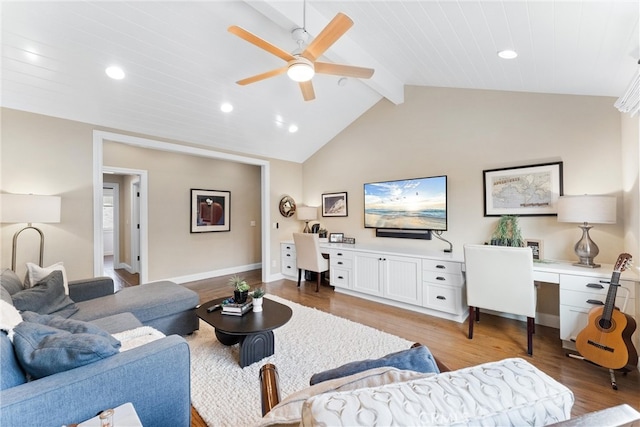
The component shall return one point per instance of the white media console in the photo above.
(433, 282)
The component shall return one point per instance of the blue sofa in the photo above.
(160, 396)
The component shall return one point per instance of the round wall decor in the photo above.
(287, 206)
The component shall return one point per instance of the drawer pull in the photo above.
(288, 254)
(340, 277)
(606, 282)
(440, 297)
(441, 266)
(595, 285)
(289, 267)
(339, 262)
(339, 254)
(594, 302)
(440, 278)
(288, 247)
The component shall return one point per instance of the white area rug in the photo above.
(312, 341)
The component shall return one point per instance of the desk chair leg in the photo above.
(299, 276)
(530, 329)
(471, 316)
(318, 282)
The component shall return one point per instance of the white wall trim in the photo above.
(116, 221)
(214, 273)
(100, 137)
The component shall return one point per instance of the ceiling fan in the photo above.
(302, 64)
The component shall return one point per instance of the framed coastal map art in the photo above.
(523, 190)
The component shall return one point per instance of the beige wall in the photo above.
(460, 133)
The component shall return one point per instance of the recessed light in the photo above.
(115, 72)
(507, 54)
(293, 129)
(226, 107)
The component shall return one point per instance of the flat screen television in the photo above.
(407, 204)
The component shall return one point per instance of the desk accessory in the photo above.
(587, 209)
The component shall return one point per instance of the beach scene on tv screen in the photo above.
(417, 204)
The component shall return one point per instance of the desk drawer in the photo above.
(449, 267)
(289, 267)
(436, 277)
(593, 299)
(594, 285)
(336, 254)
(442, 298)
(341, 263)
(288, 247)
(340, 278)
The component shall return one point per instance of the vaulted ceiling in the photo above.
(181, 63)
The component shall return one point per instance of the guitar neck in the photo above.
(610, 303)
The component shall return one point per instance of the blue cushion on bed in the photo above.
(45, 344)
(417, 359)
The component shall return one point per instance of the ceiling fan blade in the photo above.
(328, 36)
(262, 44)
(307, 91)
(262, 76)
(343, 70)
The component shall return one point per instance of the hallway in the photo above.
(121, 277)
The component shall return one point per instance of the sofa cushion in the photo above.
(46, 344)
(35, 274)
(147, 302)
(10, 370)
(46, 297)
(289, 411)
(417, 359)
(9, 318)
(10, 281)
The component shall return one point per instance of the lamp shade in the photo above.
(29, 208)
(307, 213)
(592, 209)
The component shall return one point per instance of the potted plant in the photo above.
(241, 289)
(257, 295)
(507, 232)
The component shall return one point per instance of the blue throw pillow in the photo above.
(46, 344)
(46, 297)
(417, 359)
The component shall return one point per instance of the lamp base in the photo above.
(306, 227)
(586, 249)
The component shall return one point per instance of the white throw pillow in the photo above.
(9, 318)
(35, 273)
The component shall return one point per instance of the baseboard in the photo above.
(214, 273)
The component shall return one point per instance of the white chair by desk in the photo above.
(500, 278)
(308, 256)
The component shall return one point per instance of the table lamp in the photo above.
(307, 213)
(28, 208)
(587, 209)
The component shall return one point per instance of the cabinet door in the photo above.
(402, 279)
(367, 273)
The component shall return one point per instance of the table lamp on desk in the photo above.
(307, 213)
(587, 209)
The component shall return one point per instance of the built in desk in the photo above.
(432, 282)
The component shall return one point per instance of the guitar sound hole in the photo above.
(605, 324)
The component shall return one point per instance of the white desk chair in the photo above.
(500, 278)
(308, 256)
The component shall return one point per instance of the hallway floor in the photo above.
(121, 277)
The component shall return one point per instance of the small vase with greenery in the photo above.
(507, 232)
(241, 289)
(257, 295)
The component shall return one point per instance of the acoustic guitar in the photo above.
(606, 340)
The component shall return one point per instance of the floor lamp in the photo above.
(587, 209)
(29, 208)
(307, 213)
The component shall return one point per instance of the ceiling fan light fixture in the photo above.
(300, 69)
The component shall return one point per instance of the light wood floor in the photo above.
(495, 338)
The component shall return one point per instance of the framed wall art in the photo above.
(210, 211)
(524, 190)
(334, 204)
(336, 237)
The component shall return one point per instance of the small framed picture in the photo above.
(336, 237)
(334, 204)
(210, 211)
(536, 248)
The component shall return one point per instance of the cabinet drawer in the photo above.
(440, 278)
(449, 267)
(340, 278)
(442, 298)
(594, 285)
(572, 321)
(289, 267)
(341, 263)
(592, 299)
(340, 254)
(288, 247)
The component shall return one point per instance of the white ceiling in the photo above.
(181, 63)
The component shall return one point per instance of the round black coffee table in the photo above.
(254, 331)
